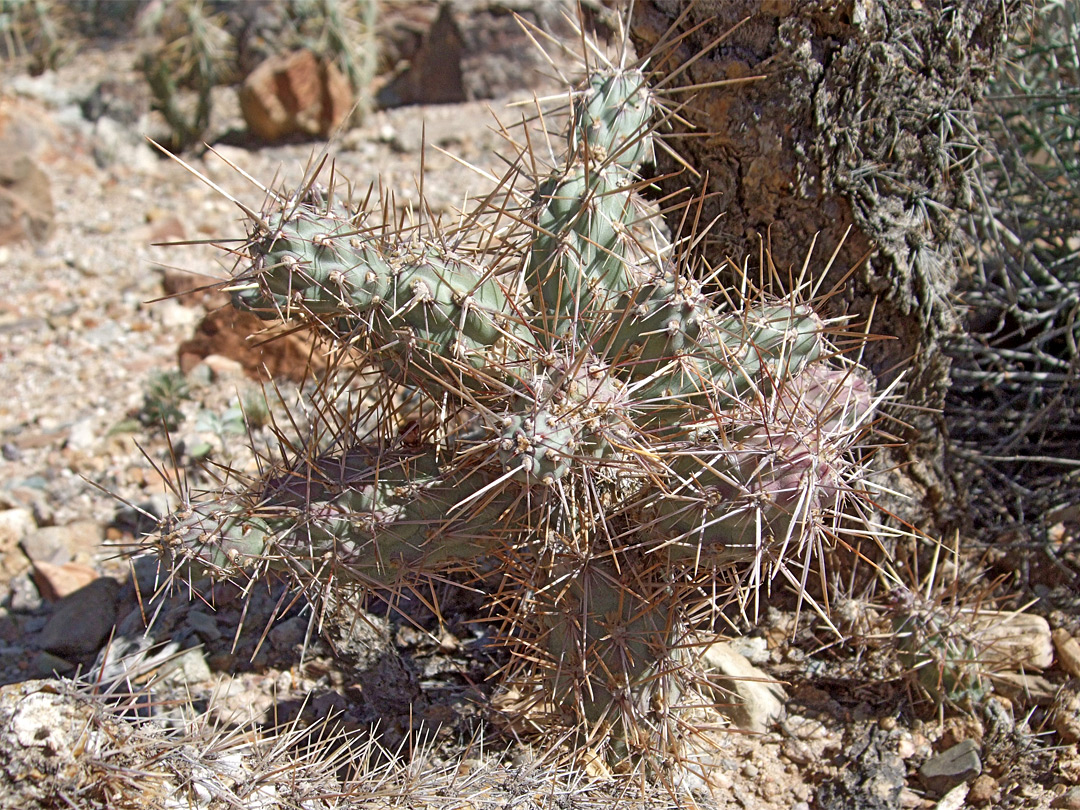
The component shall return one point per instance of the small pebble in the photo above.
(984, 790)
(798, 752)
(25, 597)
(1069, 800)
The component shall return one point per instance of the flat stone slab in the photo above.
(952, 767)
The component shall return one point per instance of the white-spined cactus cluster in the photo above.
(560, 403)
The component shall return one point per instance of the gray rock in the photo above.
(190, 668)
(755, 649)
(84, 434)
(952, 767)
(61, 544)
(81, 621)
(204, 625)
(289, 633)
(745, 694)
(48, 544)
(45, 665)
(24, 596)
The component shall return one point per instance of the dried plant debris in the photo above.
(1014, 407)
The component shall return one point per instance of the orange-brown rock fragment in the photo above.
(296, 93)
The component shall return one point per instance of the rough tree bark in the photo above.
(863, 118)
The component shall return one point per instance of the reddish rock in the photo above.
(296, 93)
(191, 289)
(434, 75)
(26, 206)
(260, 348)
(54, 582)
(465, 50)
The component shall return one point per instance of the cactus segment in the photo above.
(357, 517)
(612, 118)
(685, 372)
(419, 306)
(605, 640)
(580, 260)
(761, 482)
(940, 649)
(540, 448)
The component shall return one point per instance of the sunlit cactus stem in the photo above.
(591, 422)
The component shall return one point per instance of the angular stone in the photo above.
(59, 544)
(223, 368)
(82, 621)
(295, 93)
(47, 545)
(1068, 651)
(1013, 640)
(289, 633)
(1025, 688)
(191, 289)
(23, 594)
(434, 75)
(1069, 800)
(745, 694)
(260, 349)
(45, 665)
(15, 524)
(26, 207)
(204, 625)
(465, 50)
(54, 582)
(189, 668)
(953, 766)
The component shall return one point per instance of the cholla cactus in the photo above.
(552, 393)
(194, 53)
(34, 30)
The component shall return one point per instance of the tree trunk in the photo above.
(863, 119)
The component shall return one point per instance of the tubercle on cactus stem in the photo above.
(626, 442)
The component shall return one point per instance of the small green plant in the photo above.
(939, 648)
(162, 400)
(251, 412)
(548, 397)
